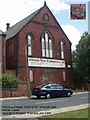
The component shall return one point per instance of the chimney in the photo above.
(8, 26)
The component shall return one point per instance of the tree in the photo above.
(81, 57)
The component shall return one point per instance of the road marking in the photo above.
(84, 97)
(51, 101)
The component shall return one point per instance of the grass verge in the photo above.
(84, 114)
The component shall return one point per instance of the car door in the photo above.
(60, 90)
(54, 90)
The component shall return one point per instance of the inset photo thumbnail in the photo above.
(77, 11)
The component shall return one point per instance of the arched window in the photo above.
(29, 44)
(47, 45)
(62, 50)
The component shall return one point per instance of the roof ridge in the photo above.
(25, 18)
(13, 30)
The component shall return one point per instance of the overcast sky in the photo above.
(12, 11)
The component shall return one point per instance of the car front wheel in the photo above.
(48, 96)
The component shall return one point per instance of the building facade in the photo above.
(2, 52)
(39, 50)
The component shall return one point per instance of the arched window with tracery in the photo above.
(47, 45)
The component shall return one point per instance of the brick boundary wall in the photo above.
(21, 91)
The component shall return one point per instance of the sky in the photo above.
(12, 11)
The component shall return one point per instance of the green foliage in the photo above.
(71, 115)
(9, 80)
(67, 85)
(81, 58)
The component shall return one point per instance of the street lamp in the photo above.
(28, 81)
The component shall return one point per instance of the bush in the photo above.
(9, 80)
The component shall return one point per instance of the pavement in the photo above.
(25, 97)
(39, 114)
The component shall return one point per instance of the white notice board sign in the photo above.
(51, 63)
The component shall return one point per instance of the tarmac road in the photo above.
(33, 107)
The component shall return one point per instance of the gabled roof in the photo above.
(12, 31)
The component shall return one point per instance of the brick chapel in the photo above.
(38, 49)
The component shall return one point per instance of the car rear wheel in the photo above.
(48, 96)
(68, 94)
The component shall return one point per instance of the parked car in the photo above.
(51, 90)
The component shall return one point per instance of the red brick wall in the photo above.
(22, 91)
(3, 52)
(0, 53)
(11, 62)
